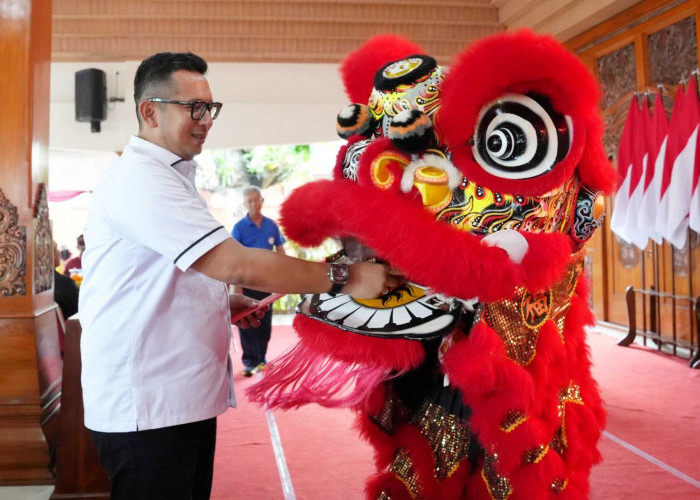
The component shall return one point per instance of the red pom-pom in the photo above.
(359, 67)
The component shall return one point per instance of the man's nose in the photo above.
(207, 119)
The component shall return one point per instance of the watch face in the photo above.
(339, 273)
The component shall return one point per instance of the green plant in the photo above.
(288, 303)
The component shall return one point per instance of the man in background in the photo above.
(255, 230)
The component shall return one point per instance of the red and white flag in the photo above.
(657, 139)
(694, 213)
(679, 166)
(640, 161)
(625, 159)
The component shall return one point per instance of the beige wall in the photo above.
(273, 102)
(264, 103)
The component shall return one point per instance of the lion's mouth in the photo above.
(409, 311)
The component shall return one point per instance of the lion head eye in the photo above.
(520, 136)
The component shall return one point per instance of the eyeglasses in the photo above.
(197, 108)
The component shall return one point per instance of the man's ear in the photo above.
(147, 109)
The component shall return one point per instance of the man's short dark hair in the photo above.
(156, 71)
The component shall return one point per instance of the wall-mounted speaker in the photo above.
(91, 97)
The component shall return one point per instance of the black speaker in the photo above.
(91, 97)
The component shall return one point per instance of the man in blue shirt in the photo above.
(256, 231)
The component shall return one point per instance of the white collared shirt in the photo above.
(156, 333)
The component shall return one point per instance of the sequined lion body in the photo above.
(481, 182)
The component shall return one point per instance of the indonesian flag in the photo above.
(625, 159)
(656, 140)
(640, 161)
(694, 214)
(679, 166)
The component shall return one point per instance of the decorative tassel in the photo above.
(303, 376)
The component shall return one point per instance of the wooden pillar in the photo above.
(30, 362)
(78, 470)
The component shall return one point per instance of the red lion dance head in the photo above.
(481, 182)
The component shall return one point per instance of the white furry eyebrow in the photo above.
(430, 160)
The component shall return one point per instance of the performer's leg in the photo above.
(249, 347)
(170, 463)
(251, 338)
(265, 333)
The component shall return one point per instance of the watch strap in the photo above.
(336, 288)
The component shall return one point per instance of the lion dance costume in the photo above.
(481, 182)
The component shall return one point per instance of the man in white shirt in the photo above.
(154, 303)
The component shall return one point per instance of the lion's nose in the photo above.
(432, 183)
(435, 178)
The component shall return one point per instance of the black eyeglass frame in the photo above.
(213, 107)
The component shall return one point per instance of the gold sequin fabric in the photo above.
(518, 320)
(558, 443)
(393, 412)
(499, 487)
(402, 468)
(571, 395)
(534, 455)
(448, 436)
(558, 485)
(512, 420)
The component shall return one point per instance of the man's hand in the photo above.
(368, 280)
(239, 302)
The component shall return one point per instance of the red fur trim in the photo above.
(493, 385)
(577, 351)
(395, 354)
(534, 480)
(382, 443)
(522, 62)
(476, 486)
(375, 402)
(359, 67)
(454, 486)
(426, 251)
(595, 170)
(550, 369)
(545, 261)
(479, 368)
(386, 481)
(421, 453)
(581, 432)
(577, 488)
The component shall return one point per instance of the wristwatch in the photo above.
(339, 275)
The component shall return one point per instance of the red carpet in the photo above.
(652, 403)
(651, 400)
(325, 457)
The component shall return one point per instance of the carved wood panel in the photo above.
(654, 44)
(43, 243)
(13, 251)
